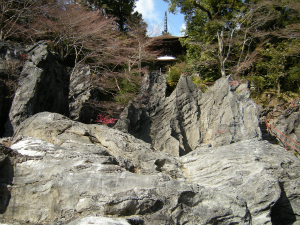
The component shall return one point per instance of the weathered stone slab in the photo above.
(43, 86)
(70, 170)
(262, 174)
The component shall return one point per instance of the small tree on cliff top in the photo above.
(83, 36)
(141, 43)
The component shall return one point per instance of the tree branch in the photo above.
(198, 5)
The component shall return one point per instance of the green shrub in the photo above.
(296, 154)
(124, 98)
(174, 72)
(128, 86)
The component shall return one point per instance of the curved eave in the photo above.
(168, 36)
(164, 60)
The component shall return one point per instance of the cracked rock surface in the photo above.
(73, 170)
(189, 118)
(66, 172)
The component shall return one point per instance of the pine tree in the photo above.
(121, 9)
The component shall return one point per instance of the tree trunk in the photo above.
(1, 35)
(129, 66)
(221, 53)
(140, 59)
(222, 68)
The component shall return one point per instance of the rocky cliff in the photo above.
(188, 118)
(43, 86)
(188, 158)
(66, 170)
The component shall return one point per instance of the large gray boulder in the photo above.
(189, 118)
(69, 172)
(265, 176)
(72, 172)
(43, 86)
(228, 114)
(175, 123)
(170, 124)
(81, 91)
(288, 123)
(131, 153)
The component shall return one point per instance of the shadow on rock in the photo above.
(6, 178)
(282, 212)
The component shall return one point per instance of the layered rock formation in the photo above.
(228, 115)
(188, 118)
(289, 122)
(43, 86)
(67, 172)
(80, 93)
(260, 173)
(75, 170)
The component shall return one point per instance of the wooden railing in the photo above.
(287, 141)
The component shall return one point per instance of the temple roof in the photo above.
(167, 36)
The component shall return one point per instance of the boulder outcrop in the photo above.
(187, 158)
(170, 124)
(43, 86)
(264, 175)
(188, 118)
(289, 122)
(75, 170)
(68, 172)
(228, 114)
(81, 91)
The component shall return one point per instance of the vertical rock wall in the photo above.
(228, 114)
(43, 86)
(188, 118)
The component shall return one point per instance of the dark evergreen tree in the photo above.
(121, 9)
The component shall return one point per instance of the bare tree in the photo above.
(14, 14)
(84, 36)
(223, 53)
(141, 44)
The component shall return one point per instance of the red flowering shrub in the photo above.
(23, 57)
(104, 119)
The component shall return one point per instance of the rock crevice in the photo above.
(189, 118)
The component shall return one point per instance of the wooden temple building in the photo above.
(170, 48)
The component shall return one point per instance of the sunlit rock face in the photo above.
(71, 170)
(189, 118)
(62, 171)
(43, 86)
(228, 115)
(264, 175)
(184, 158)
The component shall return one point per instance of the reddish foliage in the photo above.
(104, 119)
(221, 131)
(23, 57)
(234, 82)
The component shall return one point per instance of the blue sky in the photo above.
(153, 12)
